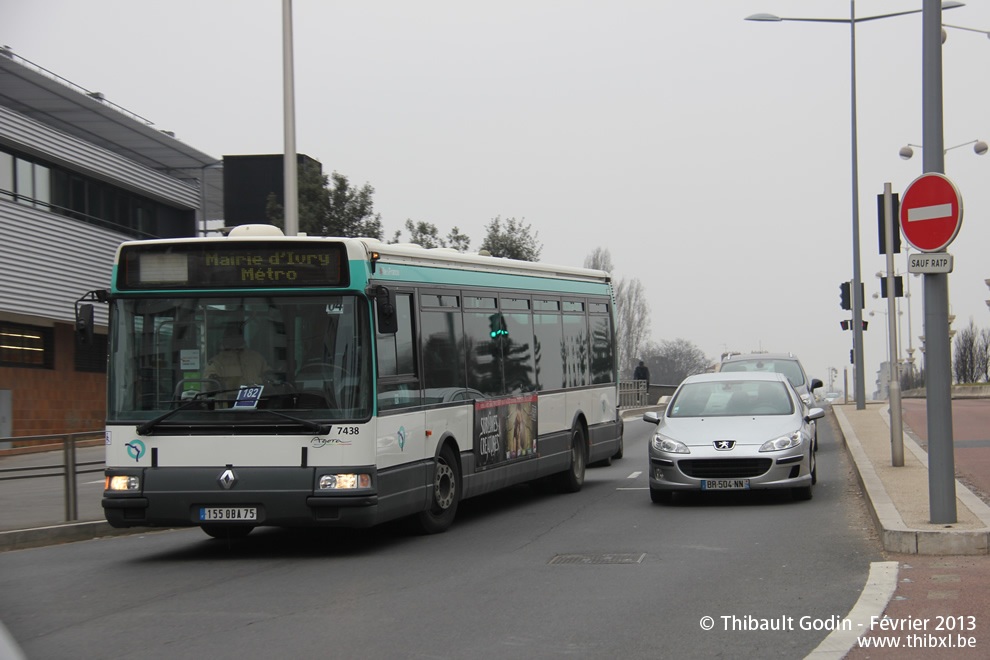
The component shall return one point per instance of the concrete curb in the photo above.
(37, 537)
(895, 535)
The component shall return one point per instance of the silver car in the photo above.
(733, 431)
(782, 363)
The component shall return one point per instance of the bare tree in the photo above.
(632, 314)
(965, 363)
(599, 259)
(983, 355)
(670, 362)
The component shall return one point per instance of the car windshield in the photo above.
(186, 360)
(729, 398)
(789, 368)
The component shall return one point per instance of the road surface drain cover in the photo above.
(601, 558)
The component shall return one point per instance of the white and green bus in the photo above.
(258, 379)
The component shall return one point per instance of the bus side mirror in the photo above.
(84, 323)
(388, 320)
(84, 314)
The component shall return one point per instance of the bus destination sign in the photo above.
(234, 265)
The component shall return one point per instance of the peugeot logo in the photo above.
(724, 445)
(227, 479)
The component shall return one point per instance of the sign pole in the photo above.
(938, 359)
(894, 370)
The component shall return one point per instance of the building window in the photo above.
(26, 346)
(50, 187)
(6, 176)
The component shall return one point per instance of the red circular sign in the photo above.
(931, 212)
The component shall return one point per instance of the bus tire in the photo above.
(571, 479)
(227, 532)
(446, 494)
(622, 448)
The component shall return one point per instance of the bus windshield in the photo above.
(307, 356)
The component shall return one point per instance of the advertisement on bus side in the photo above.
(505, 430)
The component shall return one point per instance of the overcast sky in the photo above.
(710, 155)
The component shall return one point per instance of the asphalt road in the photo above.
(600, 573)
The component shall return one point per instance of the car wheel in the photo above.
(814, 468)
(658, 496)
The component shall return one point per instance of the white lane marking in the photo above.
(879, 588)
(933, 212)
(634, 475)
(641, 488)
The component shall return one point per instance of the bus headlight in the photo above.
(123, 482)
(344, 481)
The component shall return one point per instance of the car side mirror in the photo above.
(816, 383)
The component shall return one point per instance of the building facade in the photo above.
(78, 175)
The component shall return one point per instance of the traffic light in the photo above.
(497, 326)
(898, 287)
(896, 232)
(844, 301)
(845, 324)
(852, 356)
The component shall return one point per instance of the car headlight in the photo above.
(669, 445)
(783, 442)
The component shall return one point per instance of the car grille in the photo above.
(724, 468)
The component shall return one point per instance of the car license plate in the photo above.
(228, 514)
(725, 484)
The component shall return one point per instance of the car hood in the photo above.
(699, 431)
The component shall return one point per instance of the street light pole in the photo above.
(938, 358)
(857, 296)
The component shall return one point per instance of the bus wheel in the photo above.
(571, 480)
(446, 494)
(227, 531)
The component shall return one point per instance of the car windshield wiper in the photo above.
(147, 427)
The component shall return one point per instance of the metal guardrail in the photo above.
(68, 469)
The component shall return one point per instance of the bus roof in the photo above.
(372, 249)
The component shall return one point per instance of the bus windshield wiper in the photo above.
(147, 427)
(309, 425)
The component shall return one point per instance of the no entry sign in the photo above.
(931, 212)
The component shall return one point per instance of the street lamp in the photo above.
(960, 27)
(979, 148)
(857, 303)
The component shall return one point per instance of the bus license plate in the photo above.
(725, 484)
(228, 513)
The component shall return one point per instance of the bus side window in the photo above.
(398, 377)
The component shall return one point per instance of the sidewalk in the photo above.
(898, 497)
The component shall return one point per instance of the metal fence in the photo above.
(633, 393)
(68, 469)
